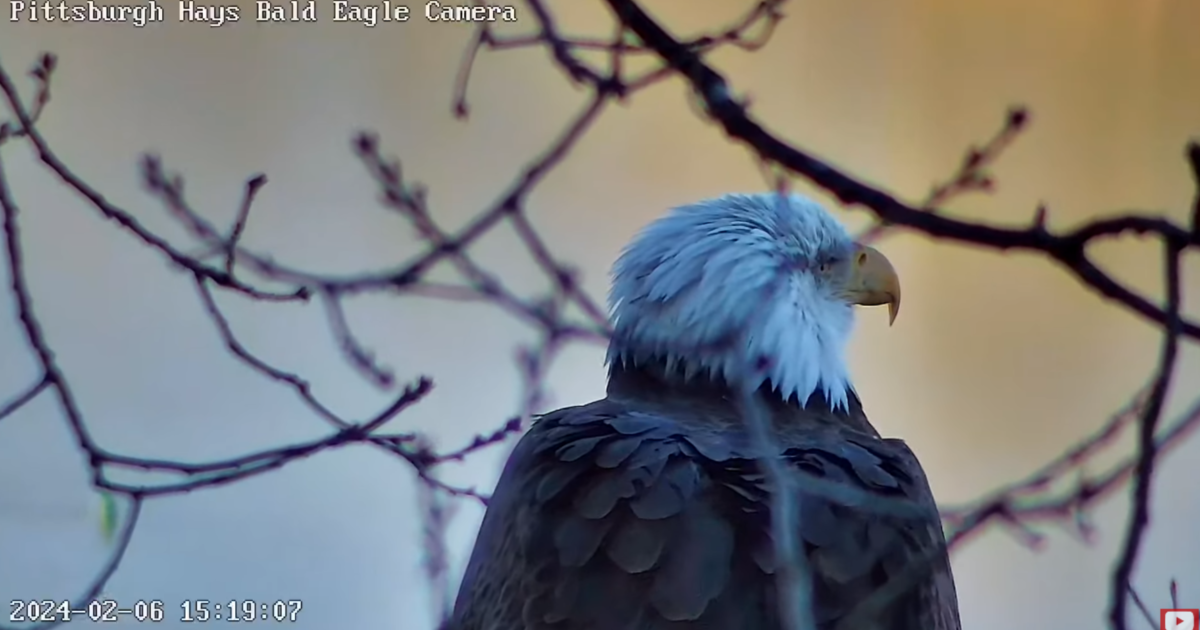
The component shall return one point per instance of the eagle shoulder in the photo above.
(612, 516)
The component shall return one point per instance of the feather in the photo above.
(696, 568)
(574, 450)
(602, 495)
(577, 539)
(659, 501)
(637, 544)
(554, 480)
(613, 453)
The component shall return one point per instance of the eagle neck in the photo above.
(655, 385)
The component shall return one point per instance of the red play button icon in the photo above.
(1180, 619)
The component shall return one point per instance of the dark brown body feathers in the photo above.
(647, 510)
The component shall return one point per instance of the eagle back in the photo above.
(619, 516)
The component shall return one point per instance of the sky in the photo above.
(997, 363)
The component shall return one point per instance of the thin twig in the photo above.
(24, 397)
(1151, 621)
(1143, 475)
(1067, 249)
(106, 572)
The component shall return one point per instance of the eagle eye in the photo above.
(827, 263)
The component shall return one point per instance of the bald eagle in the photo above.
(650, 509)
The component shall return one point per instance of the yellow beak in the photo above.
(873, 281)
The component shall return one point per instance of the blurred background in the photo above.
(997, 364)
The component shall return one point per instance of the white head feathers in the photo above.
(740, 287)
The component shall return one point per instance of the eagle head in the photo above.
(757, 289)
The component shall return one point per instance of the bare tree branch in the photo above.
(24, 397)
(1151, 622)
(96, 587)
(1143, 473)
(1068, 249)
